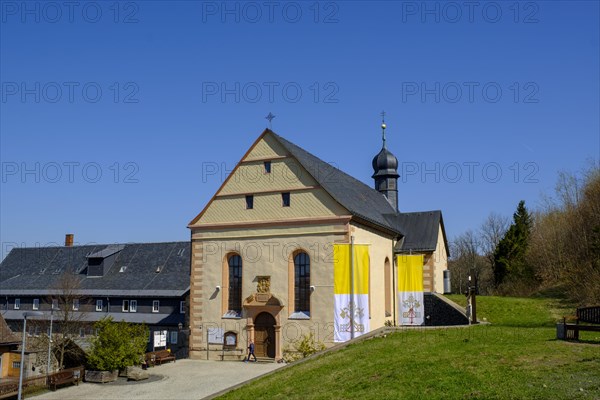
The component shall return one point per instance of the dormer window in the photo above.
(267, 165)
(249, 202)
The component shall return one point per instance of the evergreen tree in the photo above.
(509, 256)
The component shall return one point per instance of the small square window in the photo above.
(17, 304)
(267, 167)
(155, 305)
(249, 202)
(133, 306)
(16, 364)
(98, 305)
(285, 199)
(182, 307)
(75, 304)
(36, 304)
(125, 307)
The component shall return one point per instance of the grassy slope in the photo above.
(514, 358)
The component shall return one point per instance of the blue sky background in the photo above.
(158, 123)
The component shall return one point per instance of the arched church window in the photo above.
(235, 283)
(302, 283)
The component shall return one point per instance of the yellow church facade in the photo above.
(262, 249)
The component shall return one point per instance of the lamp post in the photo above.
(49, 343)
(25, 315)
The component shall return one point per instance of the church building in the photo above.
(263, 251)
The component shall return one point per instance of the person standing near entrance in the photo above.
(251, 351)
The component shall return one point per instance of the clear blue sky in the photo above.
(111, 111)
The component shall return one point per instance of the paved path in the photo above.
(182, 380)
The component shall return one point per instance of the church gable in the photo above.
(279, 186)
(266, 147)
(311, 203)
(251, 176)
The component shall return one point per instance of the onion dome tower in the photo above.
(385, 167)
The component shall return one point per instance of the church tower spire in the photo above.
(385, 167)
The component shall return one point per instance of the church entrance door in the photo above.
(264, 335)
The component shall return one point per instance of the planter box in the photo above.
(101, 376)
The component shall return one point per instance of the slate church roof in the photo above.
(419, 230)
(358, 198)
(138, 269)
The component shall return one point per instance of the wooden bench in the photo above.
(588, 315)
(158, 357)
(63, 377)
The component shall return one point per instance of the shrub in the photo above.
(117, 345)
(302, 348)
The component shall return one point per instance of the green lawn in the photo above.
(516, 357)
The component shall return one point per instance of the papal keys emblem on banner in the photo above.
(354, 314)
(410, 289)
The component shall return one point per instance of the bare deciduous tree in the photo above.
(69, 315)
(466, 257)
(564, 243)
(492, 230)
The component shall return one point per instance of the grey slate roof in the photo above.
(419, 230)
(38, 270)
(108, 251)
(361, 200)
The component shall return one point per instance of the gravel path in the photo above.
(184, 379)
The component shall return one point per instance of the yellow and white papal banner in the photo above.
(351, 306)
(410, 289)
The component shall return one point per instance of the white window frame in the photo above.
(99, 305)
(123, 308)
(155, 306)
(75, 304)
(132, 305)
(173, 337)
(36, 304)
(17, 304)
(182, 307)
(55, 304)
